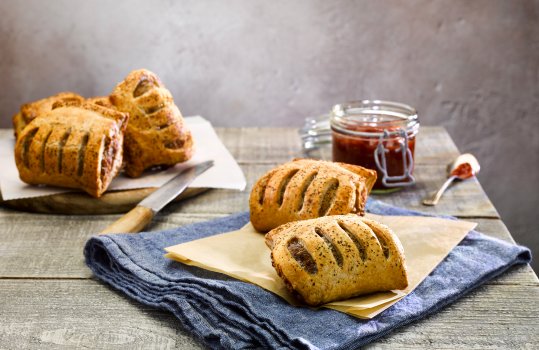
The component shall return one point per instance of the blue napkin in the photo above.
(226, 313)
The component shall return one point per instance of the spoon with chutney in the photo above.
(464, 167)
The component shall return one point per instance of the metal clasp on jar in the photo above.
(405, 179)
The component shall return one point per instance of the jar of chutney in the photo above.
(379, 135)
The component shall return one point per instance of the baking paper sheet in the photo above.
(225, 173)
(243, 255)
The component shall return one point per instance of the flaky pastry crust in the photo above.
(156, 134)
(337, 257)
(306, 189)
(32, 110)
(74, 145)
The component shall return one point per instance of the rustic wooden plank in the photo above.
(260, 145)
(435, 146)
(86, 313)
(50, 246)
(462, 199)
(493, 317)
(33, 248)
(37, 314)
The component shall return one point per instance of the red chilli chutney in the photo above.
(358, 129)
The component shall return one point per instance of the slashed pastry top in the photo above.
(337, 257)
(305, 189)
(156, 134)
(74, 145)
(103, 101)
(32, 110)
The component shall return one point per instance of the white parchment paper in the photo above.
(225, 173)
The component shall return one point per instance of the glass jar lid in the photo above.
(369, 118)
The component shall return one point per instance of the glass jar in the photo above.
(379, 135)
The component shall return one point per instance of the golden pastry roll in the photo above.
(306, 189)
(76, 146)
(337, 257)
(156, 134)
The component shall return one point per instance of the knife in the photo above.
(137, 218)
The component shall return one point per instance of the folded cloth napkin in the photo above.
(230, 314)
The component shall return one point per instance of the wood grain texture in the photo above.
(48, 298)
(32, 247)
(490, 317)
(38, 314)
(56, 251)
(463, 199)
(257, 145)
(82, 204)
(87, 313)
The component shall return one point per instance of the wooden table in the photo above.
(49, 299)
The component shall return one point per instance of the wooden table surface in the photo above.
(49, 299)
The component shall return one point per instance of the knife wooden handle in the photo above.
(133, 221)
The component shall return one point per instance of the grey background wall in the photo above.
(471, 66)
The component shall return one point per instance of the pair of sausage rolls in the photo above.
(306, 189)
(156, 133)
(74, 145)
(337, 257)
(68, 141)
(321, 254)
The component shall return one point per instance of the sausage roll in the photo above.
(306, 189)
(74, 145)
(336, 258)
(156, 134)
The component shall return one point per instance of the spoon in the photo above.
(464, 167)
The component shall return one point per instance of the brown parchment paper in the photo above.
(243, 255)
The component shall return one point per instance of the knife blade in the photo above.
(137, 218)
